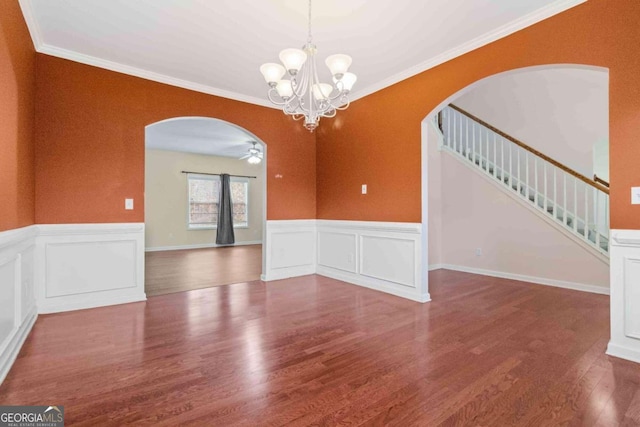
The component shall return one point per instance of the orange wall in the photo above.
(90, 143)
(17, 84)
(377, 140)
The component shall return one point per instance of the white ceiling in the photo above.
(217, 46)
(199, 135)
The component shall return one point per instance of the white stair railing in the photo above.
(580, 204)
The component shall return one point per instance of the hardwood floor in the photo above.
(176, 271)
(315, 351)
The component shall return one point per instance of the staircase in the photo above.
(578, 204)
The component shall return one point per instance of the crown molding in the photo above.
(489, 37)
(32, 24)
(486, 38)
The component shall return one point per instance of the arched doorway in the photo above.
(499, 260)
(184, 160)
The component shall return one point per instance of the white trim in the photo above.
(482, 40)
(290, 249)
(89, 229)
(390, 227)
(32, 23)
(63, 280)
(625, 295)
(288, 223)
(390, 278)
(200, 246)
(17, 236)
(89, 300)
(624, 238)
(9, 355)
(297, 271)
(373, 284)
(17, 264)
(530, 279)
(623, 352)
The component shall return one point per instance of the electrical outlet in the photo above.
(364, 188)
(128, 204)
(478, 251)
(635, 195)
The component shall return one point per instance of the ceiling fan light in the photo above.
(346, 82)
(284, 89)
(338, 64)
(254, 160)
(272, 72)
(322, 91)
(293, 59)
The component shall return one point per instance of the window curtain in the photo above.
(225, 235)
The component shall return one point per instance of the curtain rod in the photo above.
(218, 174)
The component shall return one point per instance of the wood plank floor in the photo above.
(176, 271)
(315, 351)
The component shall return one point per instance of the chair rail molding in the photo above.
(625, 295)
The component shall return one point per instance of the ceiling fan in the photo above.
(254, 156)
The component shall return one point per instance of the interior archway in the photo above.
(187, 154)
(431, 241)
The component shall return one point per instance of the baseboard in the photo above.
(289, 272)
(13, 349)
(90, 300)
(433, 267)
(622, 352)
(531, 279)
(376, 285)
(199, 246)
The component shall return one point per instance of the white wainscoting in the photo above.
(384, 256)
(82, 266)
(625, 295)
(17, 294)
(290, 249)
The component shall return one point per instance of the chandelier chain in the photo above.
(309, 24)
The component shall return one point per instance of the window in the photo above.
(204, 198)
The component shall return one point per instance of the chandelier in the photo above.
(303, 96)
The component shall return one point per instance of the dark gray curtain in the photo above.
(225, 235)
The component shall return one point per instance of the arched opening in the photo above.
(185, 158)
(564, 104)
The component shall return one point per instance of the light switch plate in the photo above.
(364, 188)
(128, 204)
(635, 195)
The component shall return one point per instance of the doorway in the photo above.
(184, 160)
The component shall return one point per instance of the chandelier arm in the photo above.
(345, 106)
(298, 85)
(275, 100)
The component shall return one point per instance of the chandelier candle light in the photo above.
(303, 95)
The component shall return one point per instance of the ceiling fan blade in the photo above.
(246, 156)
